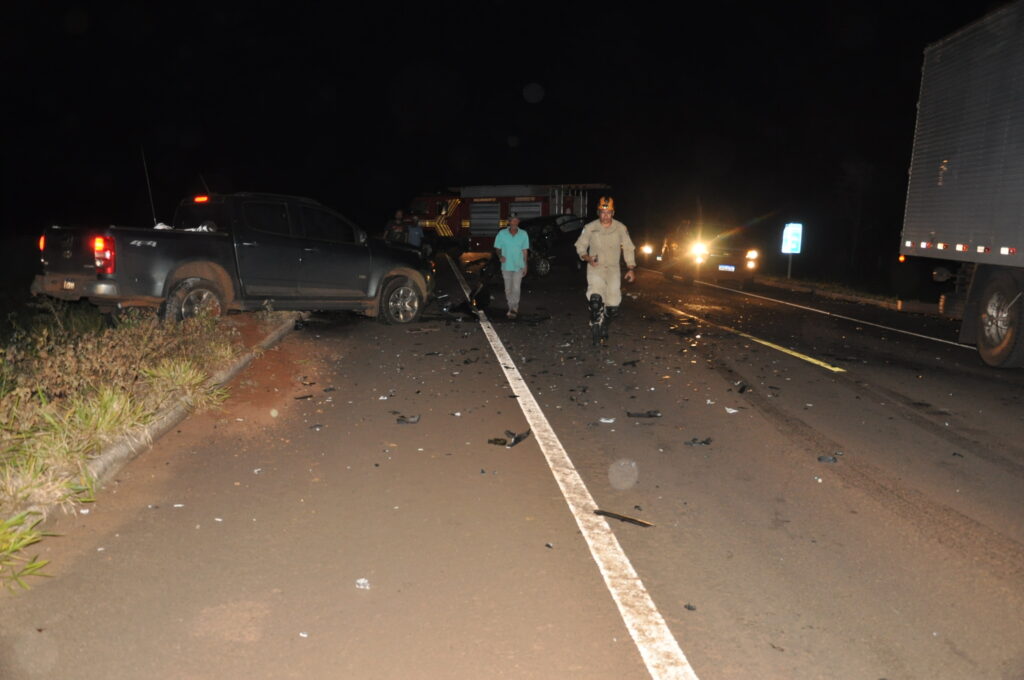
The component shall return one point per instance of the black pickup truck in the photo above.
(238, 251)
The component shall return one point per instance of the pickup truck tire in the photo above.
(401, 302)
(1000, 341)
(192, 297)
(542, 265)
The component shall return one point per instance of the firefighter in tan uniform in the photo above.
(601, 245)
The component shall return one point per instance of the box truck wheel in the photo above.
(999, 322)
(192, 297)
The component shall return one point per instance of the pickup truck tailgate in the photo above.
(69, 262)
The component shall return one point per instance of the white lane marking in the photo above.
(660, 650)
(837, 316)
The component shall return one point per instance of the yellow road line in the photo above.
(786, 350)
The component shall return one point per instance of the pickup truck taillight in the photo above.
(103, 250)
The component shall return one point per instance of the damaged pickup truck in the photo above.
(240, 251)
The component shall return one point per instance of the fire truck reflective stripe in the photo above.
(442, 220)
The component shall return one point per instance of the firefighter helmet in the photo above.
(606, 203)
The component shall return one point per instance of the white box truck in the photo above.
(965, 195)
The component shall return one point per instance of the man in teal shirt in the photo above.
(512, 245)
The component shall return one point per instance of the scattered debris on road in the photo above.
(607, 421)
(645, 414)
(407, 420)
(698, 442)
(304, 396)
(362, 584)
(498, 441)
(515, 438)
(827, 459)
(623, 518)
(689, 607)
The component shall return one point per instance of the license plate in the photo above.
(69, 284)
(726, 268)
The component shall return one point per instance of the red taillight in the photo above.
(902, 258)
(201, 199)
(103, 251)
(42, 243)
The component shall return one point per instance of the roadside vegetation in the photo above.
(70, 383)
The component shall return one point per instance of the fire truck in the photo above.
(471, 216)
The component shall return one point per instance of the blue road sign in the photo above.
(791, 237)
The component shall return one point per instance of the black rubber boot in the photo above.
(597, 319)
(609, 314)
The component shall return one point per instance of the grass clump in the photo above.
(16, 534)
(71, 381)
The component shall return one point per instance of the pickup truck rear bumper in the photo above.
(71, 287)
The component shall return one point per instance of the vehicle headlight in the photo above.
(646, 249)
(752, 254)
(699, 249)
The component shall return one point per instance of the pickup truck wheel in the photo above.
(193, 297)
(999, 322)
(542, 265)
(401, 302)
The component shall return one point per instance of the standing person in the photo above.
(394, 230)
(601, 244)
(512, 245)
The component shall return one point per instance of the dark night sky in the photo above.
(757, 113)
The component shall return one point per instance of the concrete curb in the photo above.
(895, 305)
(104, 466)
(128, 446)
(820, 292)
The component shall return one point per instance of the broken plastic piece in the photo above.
(304, 396)
(689, 607)
(827, 459)
(607, 420)
(407, 420)
(498, 441)
(516, 438)
(623, 518)
(645, 414)
(699, 442)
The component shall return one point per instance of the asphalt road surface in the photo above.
(829, 496)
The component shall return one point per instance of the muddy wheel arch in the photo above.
(203, 270)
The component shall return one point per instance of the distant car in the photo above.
(722, 258)
(551, 238)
